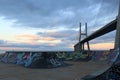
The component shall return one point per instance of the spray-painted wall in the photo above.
(27, 59)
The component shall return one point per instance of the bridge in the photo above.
(111, 26)
(114, 67)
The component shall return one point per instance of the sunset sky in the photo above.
(54, 24)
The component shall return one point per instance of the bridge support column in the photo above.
(83, 47)
(86, 36)
(117, 40)
(80, 46)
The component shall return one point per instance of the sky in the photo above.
(53, 25)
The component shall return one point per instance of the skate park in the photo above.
(53, 61)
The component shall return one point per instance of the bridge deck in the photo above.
(106, 29)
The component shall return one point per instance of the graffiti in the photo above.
(111, 72)
(113, 56)
(99, 55)
(32, 59)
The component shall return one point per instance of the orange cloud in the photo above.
(27, 38)
(52, 44)
(101, 46)
(48, 39)
(35, 39)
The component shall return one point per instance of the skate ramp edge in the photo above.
(97, 73)
(101, 72)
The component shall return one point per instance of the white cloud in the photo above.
(63, 16)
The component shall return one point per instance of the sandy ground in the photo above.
(74, 72)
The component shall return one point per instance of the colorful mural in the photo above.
(33, 59)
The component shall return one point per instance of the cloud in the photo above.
(39, 47)
(2, 42)
(47, 42)
(63, 16)
(26, 36)
(35, 39)
(54, 14)
(70, 35)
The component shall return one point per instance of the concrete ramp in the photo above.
(33, 60)
(95, 75)
(110, 72)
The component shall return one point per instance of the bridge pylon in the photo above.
(81, 45)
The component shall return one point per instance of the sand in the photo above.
(73, 72)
